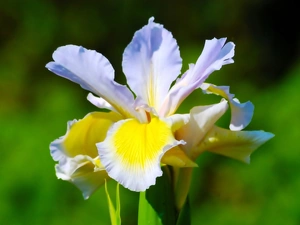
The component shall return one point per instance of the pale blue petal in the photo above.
(241, 113)
(151, 62)
(214, 55)
(93, 72)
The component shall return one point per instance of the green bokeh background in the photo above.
(35, 105)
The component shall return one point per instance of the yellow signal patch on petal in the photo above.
(83, 135)
(132, 151)
(76, 152)
(139, 143)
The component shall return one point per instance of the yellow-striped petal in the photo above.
(77, 155)
(132, 151)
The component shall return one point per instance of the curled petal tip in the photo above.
(242, 114)
(151, 19)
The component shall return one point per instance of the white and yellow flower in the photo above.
(142, 131)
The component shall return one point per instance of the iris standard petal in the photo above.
(93, 72)
(234, 144)
(214, 55)
(241, 113)
(131, 152)
(202, 119)
(151, 62)
(76, 152)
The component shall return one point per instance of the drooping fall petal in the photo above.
(76, 152)
(234, 144)
(131, 152)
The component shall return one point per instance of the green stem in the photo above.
(156, 205)
(159, 205)
(182, 186)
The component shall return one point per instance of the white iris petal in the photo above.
(128, 145)
(151, 62)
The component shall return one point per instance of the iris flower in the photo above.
(141, 130)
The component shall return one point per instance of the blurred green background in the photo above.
(35, 105)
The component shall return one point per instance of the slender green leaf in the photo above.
(114, 214)
(147, 215)
(118, 208)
